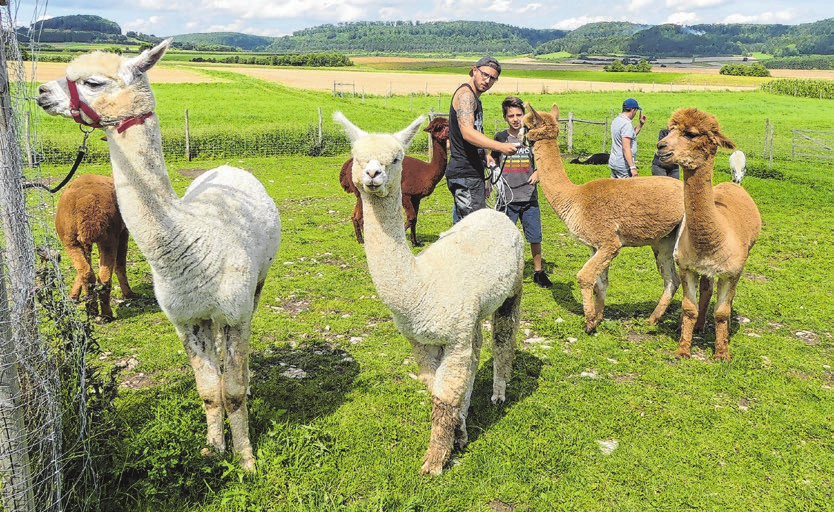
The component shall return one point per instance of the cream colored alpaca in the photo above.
(607, 215)
(439, 298)
(209, 251)
(720, 226)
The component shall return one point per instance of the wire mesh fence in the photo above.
(43, 341)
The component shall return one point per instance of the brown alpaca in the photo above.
(606, 215)
(418, 180)
(88, 214)
(720, 226)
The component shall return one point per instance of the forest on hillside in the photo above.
(468, 37)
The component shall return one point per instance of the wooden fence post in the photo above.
(570, 132)
(187, 138)
(767, 130)
(772, 133)
(320, 126)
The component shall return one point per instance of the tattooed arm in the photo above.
(465, 105)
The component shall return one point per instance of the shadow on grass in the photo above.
(298, 384)
(482, 412)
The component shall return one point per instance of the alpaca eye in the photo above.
(690, 135)
(92, 84)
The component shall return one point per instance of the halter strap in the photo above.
(77, 107)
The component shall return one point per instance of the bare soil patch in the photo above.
(46, 71)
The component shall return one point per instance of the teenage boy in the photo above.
(518, 191)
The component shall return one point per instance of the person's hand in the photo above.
(642, 118)
(633, 172)
(508, 148)
(534, 178)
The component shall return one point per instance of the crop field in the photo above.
(600, 422)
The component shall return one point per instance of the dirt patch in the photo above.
(46, 71)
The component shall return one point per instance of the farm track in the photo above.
(384, 83)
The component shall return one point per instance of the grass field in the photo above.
(754, 434)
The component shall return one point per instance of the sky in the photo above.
(283, 17)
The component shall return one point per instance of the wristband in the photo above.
(632, 167)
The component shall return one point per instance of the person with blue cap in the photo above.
(623, 159)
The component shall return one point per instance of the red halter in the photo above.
(77, 107)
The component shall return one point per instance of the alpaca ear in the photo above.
(555, 112)
(148, 58)
(534, 115)
(723, 141)
(405, 136)
(353, 132)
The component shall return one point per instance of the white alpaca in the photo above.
(209, 251)
(440, 297)
(738, 165)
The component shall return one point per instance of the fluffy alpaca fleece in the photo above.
(419, 179)
(209, 251)
(720, 226)
(87, 214)
(608, 214)
(738, 165)
(439, 298)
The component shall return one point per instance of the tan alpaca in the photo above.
(720, 226)
(608, 214)
(87, 214)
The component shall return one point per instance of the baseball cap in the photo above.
(631, 103)
(490, 62)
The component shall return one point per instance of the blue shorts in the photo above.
(531, 219)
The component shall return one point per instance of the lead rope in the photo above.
(82, 150)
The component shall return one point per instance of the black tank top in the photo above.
(466, 161)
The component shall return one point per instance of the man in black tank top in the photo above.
(465, 170)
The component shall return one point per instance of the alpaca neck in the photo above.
(439, 157)
(390, 262)
(143, 188)
(555, 184)
(703, 224)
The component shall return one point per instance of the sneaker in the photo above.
(541, 279)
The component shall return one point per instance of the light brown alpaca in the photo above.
(418, 181)
(720, 226)
(87, 214)
(606, 215)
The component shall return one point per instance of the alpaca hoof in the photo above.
(209, 453)
(131, 295)
(248, 464)
(431, 469)
(682, 354)
(499, 392)
(461, 438)
(722, 357)
(417, 244)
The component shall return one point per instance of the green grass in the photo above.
(754, 434)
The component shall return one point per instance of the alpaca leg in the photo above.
(726, 289)
(83, 270)
(428, 359)
(505, 322)
(704, 296)
(358, 220)
(121, 266)
(593, 296)
(107, 255)
(452, 379)
(461, 434)
(665, 260)
(198, 341)
(600, 293)
(411, 206)
(235, 385)
(689, 282)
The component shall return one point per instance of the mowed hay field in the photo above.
(609, 421)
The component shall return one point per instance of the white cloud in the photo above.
(693, 4)
(639, 5)
(683, 18)
(572, 23)
(765, 17)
